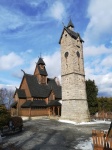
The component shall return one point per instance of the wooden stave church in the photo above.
(37, 95)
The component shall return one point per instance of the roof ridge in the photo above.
(29, 74)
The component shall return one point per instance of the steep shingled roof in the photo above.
(38, 103)
(56, 88)
(21, 93)
(73, 34)
(54, 103)
(27, 104)
(36, 89)
(40, 61)
(14, 105)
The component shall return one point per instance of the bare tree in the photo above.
(3, 93)
(6, 97)
(10, 94)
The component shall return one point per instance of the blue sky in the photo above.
(30, 28)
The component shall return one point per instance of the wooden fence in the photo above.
(101, 141)
(103, 116)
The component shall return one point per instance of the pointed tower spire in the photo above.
(40, 61)
(40, 71)
(70, 25)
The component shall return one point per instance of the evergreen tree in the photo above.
(105, 104)
(92, 92)
(4, 116)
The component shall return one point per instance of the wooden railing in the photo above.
(101, 140)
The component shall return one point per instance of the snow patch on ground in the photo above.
(85, 145)
(86, 123)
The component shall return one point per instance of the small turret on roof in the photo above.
(70, 24)
(40, 61)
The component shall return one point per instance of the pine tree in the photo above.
(4, 116)
(92, 92)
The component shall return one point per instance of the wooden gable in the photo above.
(24, 86)
(51, 96)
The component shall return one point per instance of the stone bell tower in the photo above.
(74, 100)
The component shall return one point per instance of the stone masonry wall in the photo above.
(74, 100)
(75, 110)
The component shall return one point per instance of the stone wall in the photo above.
(74, 99)
(75, 110)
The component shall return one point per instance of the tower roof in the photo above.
(40, 61)
(73, 34)
(70, 24)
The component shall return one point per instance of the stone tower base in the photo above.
(75, 110)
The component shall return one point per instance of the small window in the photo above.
(65, 35)
(78, 54)
(78, 46)
(66, 54)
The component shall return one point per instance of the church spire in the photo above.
(70, 25)
(40, 61)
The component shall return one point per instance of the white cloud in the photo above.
(9, 87)
(100, 72)
(53, 65)
(107, 61)
(98, 64)
(8, 83)
(23, 53)
(98, 58)
(95, 51)
(57, 10)
(34, 2)
(29, 51)
(103, 81)
(9, 20)
(100, 14)
(9, 61)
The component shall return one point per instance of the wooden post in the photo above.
(58, 111)
(29, 112)
(49, 111)
(17, 109)
(53, 111)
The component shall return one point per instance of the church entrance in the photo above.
(55, 111)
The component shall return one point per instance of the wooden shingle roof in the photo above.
(38, 103)
(54, 103)
(36, 89)
(56, 88)
(14, 105)
(40, 61)
(27, 104)
(21, 93)
(73, 34)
